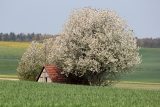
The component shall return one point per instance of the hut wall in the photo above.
(44, 77)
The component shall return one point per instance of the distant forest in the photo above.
(24, 37)
(145, 42)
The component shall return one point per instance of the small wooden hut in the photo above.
(53, 74)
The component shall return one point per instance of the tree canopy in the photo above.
(96, 44)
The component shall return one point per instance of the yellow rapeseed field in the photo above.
(14, 44)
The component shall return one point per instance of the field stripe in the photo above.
(8, 76)
(129, 82)
(138, 86)
(13, 79)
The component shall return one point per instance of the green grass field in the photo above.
(32, 94)
(148, 71)
(10, 54)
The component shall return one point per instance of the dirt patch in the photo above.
(138, 86)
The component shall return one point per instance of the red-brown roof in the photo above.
(55, 74)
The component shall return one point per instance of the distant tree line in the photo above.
(145, 42)
(149, 42)
(24, 37)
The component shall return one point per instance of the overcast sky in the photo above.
(48, 16)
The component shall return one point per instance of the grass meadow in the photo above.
(10, 54)
(149, 69)
(32, 94)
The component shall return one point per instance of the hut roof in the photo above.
(52, 71)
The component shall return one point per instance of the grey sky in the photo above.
(48, 16)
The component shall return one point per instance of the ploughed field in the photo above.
(148, 71)
(32, 94)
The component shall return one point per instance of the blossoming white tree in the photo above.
(45, 50)
(96, 44)
(29, 65)
(34, 59)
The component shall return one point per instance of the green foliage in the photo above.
(96, 44)
(32, 94)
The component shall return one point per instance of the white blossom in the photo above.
(29, 64)
(95, 42)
